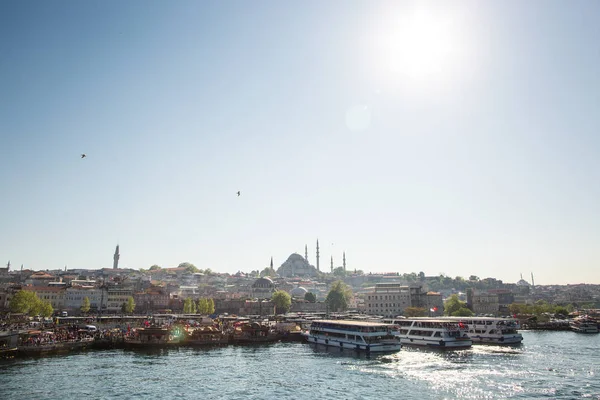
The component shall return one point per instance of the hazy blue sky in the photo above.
(445, 137)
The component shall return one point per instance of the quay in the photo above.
(64, 336)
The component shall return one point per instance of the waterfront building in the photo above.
(116, 296)
(153, 299)
(54, 295)
(75, 294)
(391, 298)
(485, 303)
(303, 306)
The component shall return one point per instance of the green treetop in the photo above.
(282, 301)
(339, 296)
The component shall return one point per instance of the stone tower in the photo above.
(318, 256)
(116, 258)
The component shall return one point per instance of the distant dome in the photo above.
(299, 292)
(265, 283)
(523, 282)
(296, 265)
(263, 288)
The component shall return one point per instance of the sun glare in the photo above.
(417, 45)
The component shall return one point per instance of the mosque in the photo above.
(296, 265)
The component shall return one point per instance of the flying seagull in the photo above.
(238, 193)
(83, 155)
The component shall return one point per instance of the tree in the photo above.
(411, 312)
(462, 312)
(560, 310)
(189, 267)
(339, 271)
(202, 306)
(211, 307)
(339, 296)
(282, 301)
(46, 309)
(85, 305)
(25, 302)
(310, 297)
(189, 306)
(541, 306)
(453, 304)
(155, 268)
(128, 306)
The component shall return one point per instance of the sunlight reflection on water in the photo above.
(558, 365)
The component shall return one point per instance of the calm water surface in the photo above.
(551, 365)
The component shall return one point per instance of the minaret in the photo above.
(116, 258)
(344, 262)
(271, 265)
(318, 255)
(332, 264)
(8, 266)
(532, 282)
(306, 252)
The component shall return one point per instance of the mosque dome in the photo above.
(299, 292)
(263, 283)
(296, 265)
(523, 282)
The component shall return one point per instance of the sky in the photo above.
(458, 137)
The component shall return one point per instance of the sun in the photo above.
(417, 45)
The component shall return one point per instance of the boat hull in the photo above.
(587, 329)
(437, 343)
(505, 339)
(345, 344)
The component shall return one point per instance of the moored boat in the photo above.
(584, 325)
(254, 332)
(490, 330)
(205, 336)
(431, 332)
(151, 337)
(354, 335)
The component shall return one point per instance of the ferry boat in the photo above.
(354, 335)
(584, 325)
(209, 335)
(490, 330)
(431, 332)
(153, 336)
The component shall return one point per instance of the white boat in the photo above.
(584, 325)
(490, 330)
(354, 335)
(431, 332)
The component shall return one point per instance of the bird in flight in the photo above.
(238, 193)
(83, 155)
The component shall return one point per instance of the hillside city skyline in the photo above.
(416, 136)
(528, 277)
